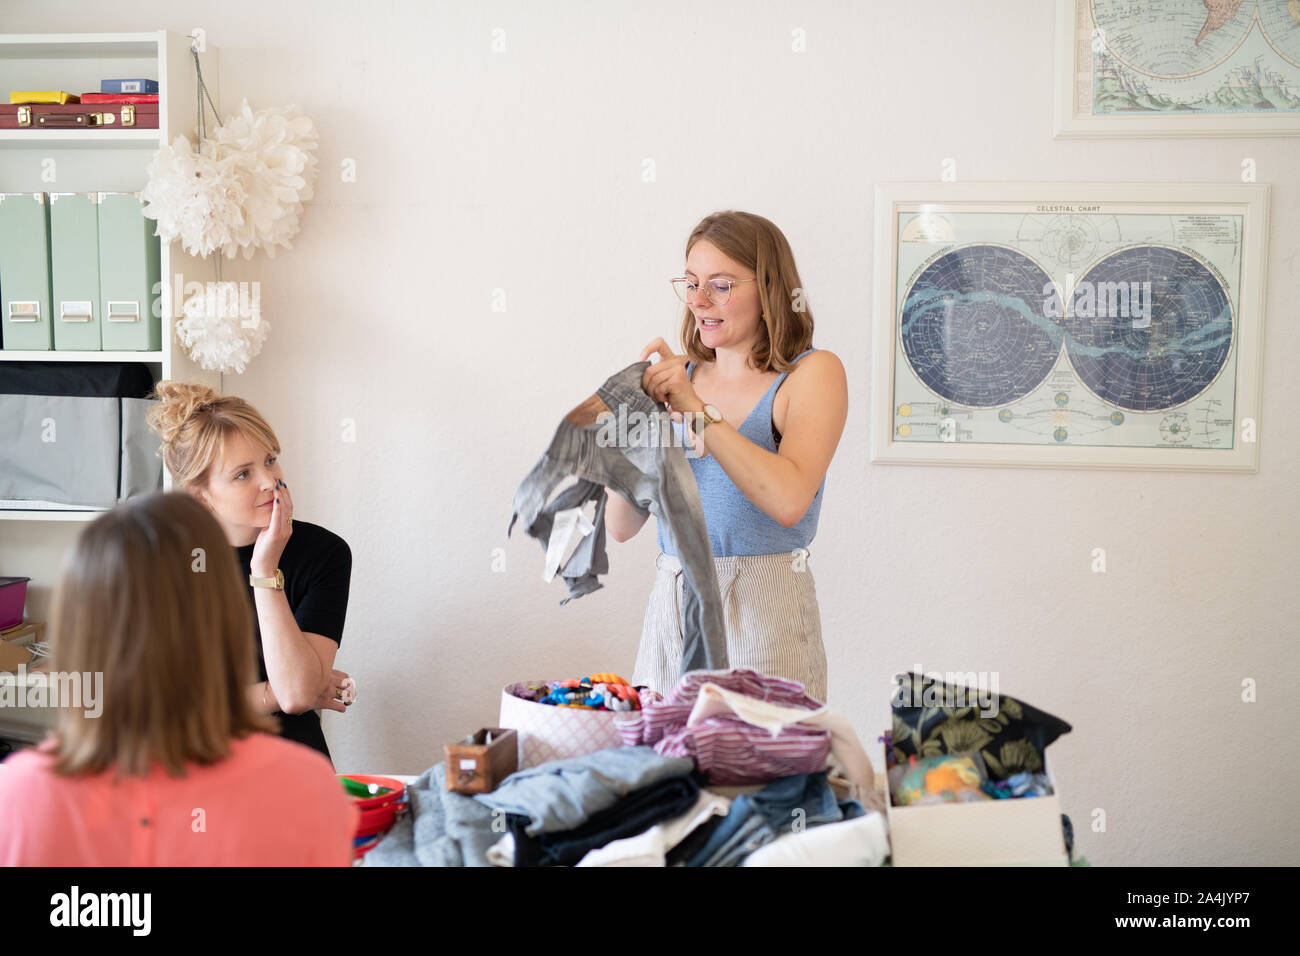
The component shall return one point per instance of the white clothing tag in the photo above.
(570, 527)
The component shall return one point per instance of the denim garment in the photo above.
(562, 795)
(756, 818)
(654, 476)
(632, 815)
(440, 828)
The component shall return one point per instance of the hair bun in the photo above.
(178, 403)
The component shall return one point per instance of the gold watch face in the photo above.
(713, 414)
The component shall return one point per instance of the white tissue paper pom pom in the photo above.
(215, 334)
(196, 197)
(273, 154)
(242, 190)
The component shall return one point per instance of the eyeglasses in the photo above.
(718, 291)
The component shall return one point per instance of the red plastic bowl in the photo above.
(381, 799)
(377, 820)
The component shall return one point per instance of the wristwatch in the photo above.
(711, 416)
(275, 584)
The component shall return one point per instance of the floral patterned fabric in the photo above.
(1011, 740)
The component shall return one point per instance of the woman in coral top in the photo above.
(169, 765)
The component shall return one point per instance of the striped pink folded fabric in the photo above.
(727, 748)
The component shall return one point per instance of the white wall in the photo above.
(522, 171)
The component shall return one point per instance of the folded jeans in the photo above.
(634, 814)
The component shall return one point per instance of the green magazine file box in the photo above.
(130, 265)
(74, 270)
(25, 323)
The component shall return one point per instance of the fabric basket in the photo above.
(549, 733)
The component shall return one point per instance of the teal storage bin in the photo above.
(25, 317)
(74, 271)
(130, 266)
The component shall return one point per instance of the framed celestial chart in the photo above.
(1177, 68)
(1069, 324)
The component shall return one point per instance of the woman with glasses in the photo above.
(764, 412)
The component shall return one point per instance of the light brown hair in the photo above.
(150, 597)
(757, 244)
(193, 421)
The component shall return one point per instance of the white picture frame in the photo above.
(1110, 82)
(945, 376)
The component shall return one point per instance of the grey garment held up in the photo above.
(648, 467)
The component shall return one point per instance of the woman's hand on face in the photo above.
(666, 381)
(271, 540)
(328, 699)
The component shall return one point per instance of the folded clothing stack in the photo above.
(743, 727)
(555, 811)
(649, 802)
(791, 806)
(629, 806)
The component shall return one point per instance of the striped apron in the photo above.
(773, 621)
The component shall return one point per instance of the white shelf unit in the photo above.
(157, 358)
(84, 138)
(93, 160)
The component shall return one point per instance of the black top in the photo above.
(317, 566)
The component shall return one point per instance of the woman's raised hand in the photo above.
(271, 540)
(666, 381)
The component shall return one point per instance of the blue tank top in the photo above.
(735, 525)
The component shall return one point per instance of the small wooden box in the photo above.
(482, 760)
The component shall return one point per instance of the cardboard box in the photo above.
(1019, 831)
(22, 636)
(25, 633)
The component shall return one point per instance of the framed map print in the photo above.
(1068, 324)
(1177, 67)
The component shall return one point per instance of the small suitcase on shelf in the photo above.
(101, 116)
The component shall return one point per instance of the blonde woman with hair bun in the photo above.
(219, 449)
